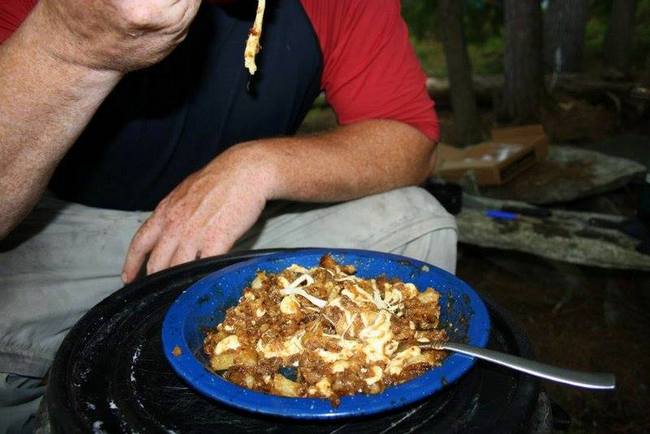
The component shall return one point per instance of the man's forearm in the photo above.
(45, 102)
(347, 163)
(213, 207)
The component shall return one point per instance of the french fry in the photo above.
(285, 387)
(428, 296)
(222, 361)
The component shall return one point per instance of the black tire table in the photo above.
(110, 375)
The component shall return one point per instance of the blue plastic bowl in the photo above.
(204, 304)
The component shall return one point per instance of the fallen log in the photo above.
(488, 88)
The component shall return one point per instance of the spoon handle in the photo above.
(587, 380)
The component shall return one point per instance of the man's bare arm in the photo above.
(57, 69)
(349, 162)
(211, 209)
(45, 102)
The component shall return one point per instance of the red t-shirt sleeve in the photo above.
(370, 68)
(12, 14)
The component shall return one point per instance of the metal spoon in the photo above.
(589, 380)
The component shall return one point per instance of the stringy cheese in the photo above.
(375, 338)
(229, 343)
(287, 348)
(253, 43)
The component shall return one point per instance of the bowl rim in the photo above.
(209, 384)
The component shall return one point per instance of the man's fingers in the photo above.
(217, 243)
(162, 254)
(185, 252)
(141, 244)
(214, 250)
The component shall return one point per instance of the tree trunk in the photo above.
(565, 23)
(618, 41)
(522, 61)
(467, 123)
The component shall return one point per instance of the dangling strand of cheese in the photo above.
(253, 42)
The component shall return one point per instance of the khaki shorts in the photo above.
(66, 257)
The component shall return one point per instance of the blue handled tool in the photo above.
(501, 215)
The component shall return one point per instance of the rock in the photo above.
(565, 236)
(567, 174)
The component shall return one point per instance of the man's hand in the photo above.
(204, 215)
(209, 211)
(118, 35)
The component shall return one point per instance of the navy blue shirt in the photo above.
(161, 124)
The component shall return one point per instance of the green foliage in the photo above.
(487, 57)
(431, 55)
(599, 11)
(595, 37)
(642, 30)
(420, 16)
(484, 33)
(483, 26)
(483, 18)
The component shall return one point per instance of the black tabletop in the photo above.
(110, 375)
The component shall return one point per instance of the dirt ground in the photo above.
(577, 317)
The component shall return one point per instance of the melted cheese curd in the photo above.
(253, 42)
(324, 332)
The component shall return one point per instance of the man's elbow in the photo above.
(424, 150)
(8, 220)
(426, 164)
(5, 229)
